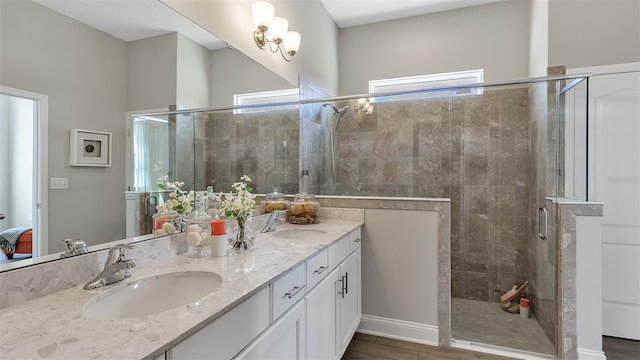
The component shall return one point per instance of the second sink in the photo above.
(152, 295)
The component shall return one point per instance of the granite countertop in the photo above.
(54, 327)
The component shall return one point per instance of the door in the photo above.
(614, 112)
(23, 163)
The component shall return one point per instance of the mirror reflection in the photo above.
(94, 79)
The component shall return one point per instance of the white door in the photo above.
(23, 163)
(614, 111)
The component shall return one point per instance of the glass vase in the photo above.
(244, 235)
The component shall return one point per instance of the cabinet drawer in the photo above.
(356, 239)
(317, 268)
(287, 290)
(339, 251)
(228, 334)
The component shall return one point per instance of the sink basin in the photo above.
(152, 295)
(299, 234)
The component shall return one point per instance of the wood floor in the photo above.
(371, 347)
(620, 349)
(378, 348)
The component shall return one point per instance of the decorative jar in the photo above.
(198, 229)
(274, 201)
(166, 223)
(304, 209)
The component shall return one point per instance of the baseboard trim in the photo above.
(586, 354)
(399, 329)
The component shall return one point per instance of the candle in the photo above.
(217, 227)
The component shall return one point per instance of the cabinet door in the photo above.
(321, 319)
(349, 299)
(284, 339)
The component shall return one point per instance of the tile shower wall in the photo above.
(263, 145)
(473, 149)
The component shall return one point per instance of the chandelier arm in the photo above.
(271, 46)
(282, 53)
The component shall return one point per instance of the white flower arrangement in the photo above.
(178, 200)
(240, 204)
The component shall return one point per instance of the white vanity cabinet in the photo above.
(338, 295)
(285, 339)
(348, 300)
(310, 312)
(322, 317)
(228, 334)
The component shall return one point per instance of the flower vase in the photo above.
(244, 236)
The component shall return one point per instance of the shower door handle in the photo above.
(542, 223)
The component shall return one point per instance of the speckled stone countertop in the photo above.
(54, 327)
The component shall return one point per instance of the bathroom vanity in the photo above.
(295, 295)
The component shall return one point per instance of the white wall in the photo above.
(494, 37)
(589, 33)
(83, 71)
(589, 285)
(538, 37)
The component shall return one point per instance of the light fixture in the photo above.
(274, 31)
(364, 106)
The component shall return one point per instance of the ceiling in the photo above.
(348, 13)
(133, 20)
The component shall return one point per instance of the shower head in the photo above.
(343, 111)
(340, 112)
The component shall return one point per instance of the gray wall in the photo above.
(84, 73)
(590, 33)
(232, 73)
(193, 74)
(233, 22)
(151, 72)
(494, 37)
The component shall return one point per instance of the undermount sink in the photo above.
(152, 295)
(299, 234)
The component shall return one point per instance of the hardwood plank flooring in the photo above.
(372, 347)
(620, 349)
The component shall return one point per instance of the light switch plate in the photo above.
(59, 183)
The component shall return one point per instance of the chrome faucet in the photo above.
(273, 221)
(76, 247)
(115, 269)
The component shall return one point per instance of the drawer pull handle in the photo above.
(357, 240)
(346, 283)
(294, 291)
(320, 270)
(342, 292)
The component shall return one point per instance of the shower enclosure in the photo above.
(502, 152)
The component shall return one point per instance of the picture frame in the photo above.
(89, 148)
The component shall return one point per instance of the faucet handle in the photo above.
(279, 216)
(121, 250)
(122, 247)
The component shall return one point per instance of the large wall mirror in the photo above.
(94, 78)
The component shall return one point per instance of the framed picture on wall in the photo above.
(89, 148)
